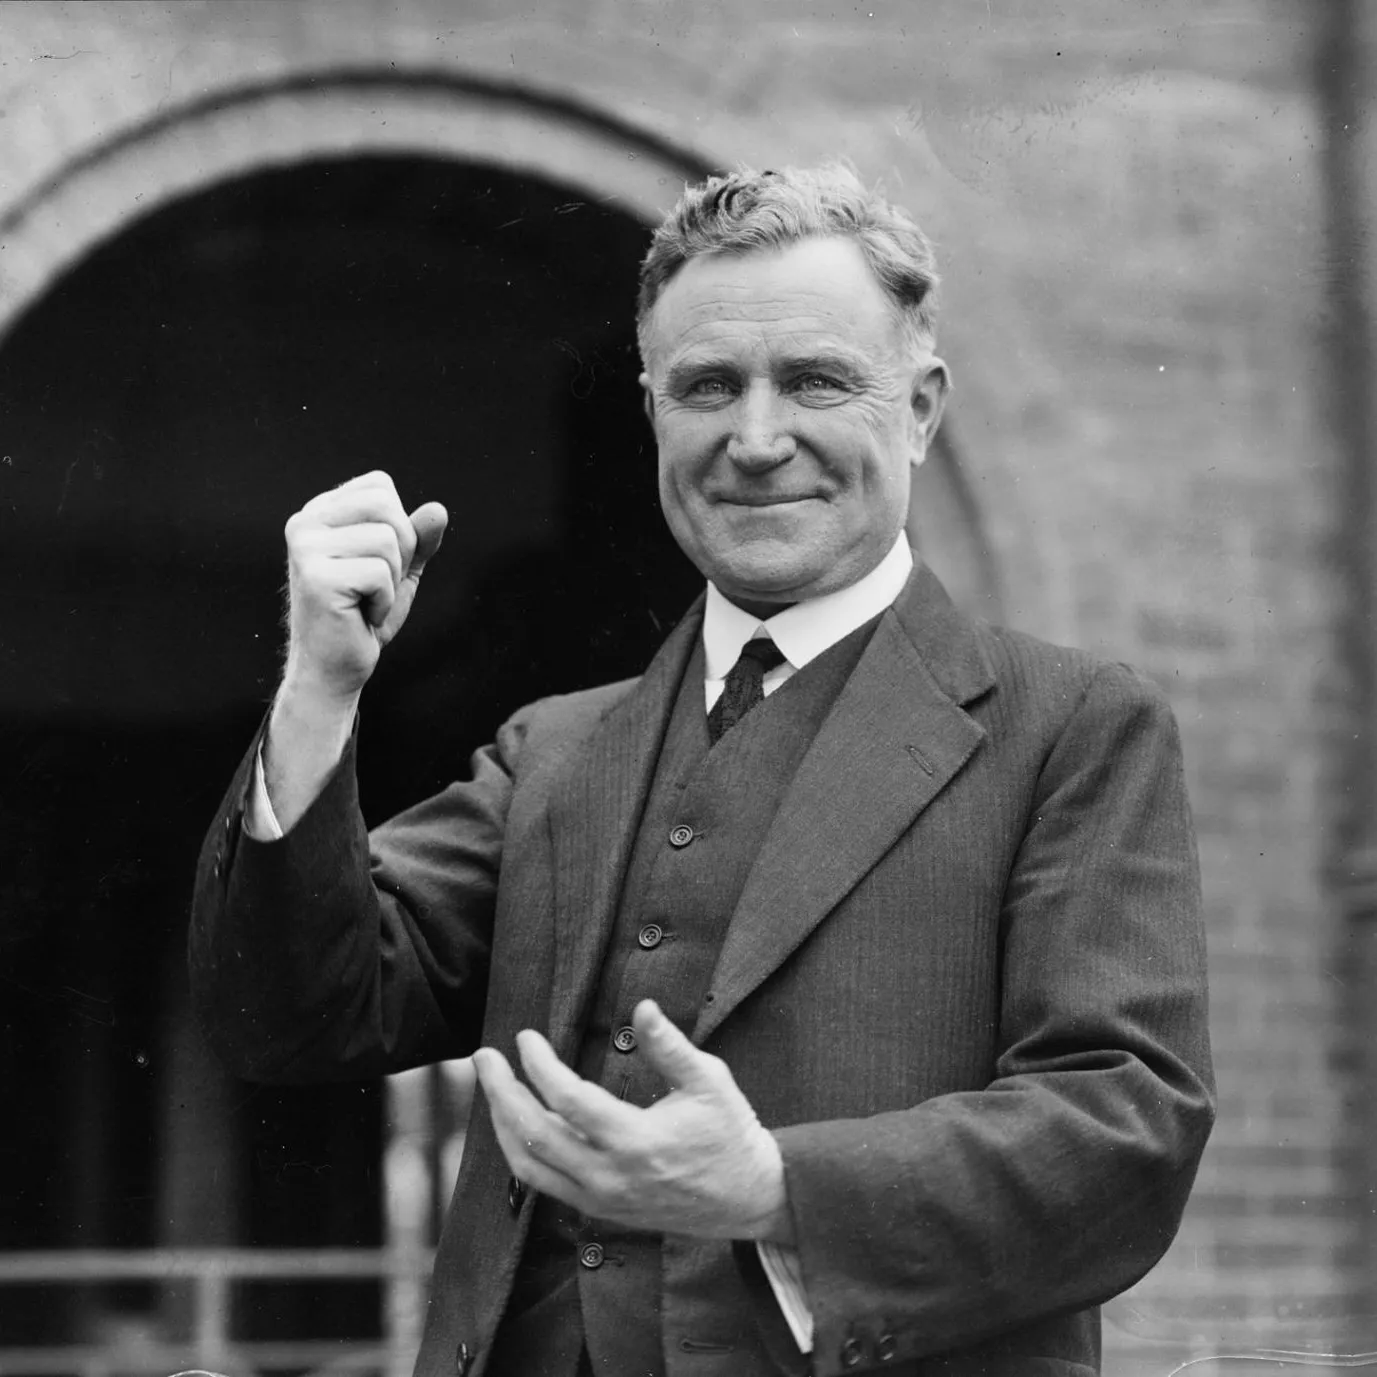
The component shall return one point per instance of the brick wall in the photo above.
(1126, 198)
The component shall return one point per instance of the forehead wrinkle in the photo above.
(740, 313)
(808, 310)
(726, 344)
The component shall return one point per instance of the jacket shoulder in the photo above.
(1059, 680)
(544, 733)
(580, 711)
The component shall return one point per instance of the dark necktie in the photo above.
(743, 688)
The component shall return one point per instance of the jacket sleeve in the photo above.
(1063, 1180)
(330, 954)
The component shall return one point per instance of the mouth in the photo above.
(767, 500)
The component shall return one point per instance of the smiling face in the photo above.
(789, 410)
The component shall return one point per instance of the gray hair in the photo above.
(748, 210)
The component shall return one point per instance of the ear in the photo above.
(647, 399)
(927, 401)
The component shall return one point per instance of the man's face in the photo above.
(789, 414)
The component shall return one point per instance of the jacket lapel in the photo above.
(593, 816)
(894, 738)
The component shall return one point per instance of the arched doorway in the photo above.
(165, 407)
(177, 384)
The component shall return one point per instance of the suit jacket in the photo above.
(964, 984)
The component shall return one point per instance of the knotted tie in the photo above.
(743, 687)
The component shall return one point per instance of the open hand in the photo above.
(696, 1162)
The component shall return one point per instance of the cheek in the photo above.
(686, 447)
(679, 487)
(861, 450)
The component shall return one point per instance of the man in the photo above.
(851, 955)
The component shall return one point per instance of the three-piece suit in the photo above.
(935, 902)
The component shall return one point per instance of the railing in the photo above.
(212, 1274)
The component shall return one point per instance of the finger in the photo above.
(370, 497)
(536, 1176)
(530, 1134)
(374, 478)
(428, 521)
(599, 1116)
(374, 539)
(682, 1064)
(363, 498)
(364, 583)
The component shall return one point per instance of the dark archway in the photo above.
(162, 410)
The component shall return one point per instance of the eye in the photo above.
(819, 387)
(707, 390)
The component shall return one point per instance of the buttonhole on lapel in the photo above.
(709, 998)
(701, 1346)
(924, 763)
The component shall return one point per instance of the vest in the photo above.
(587, 1283)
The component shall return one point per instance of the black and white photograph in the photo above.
(688, 689)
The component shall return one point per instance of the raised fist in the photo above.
(354, 559)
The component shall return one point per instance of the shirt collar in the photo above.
(802, 632)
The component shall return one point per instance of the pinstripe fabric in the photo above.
(969, 996)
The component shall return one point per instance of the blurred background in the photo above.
(250, 249)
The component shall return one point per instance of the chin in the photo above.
(765, 580)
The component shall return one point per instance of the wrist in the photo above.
(304, 702)
(775, 1221)
(307, 734)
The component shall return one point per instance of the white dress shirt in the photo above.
(805, 629)
(802, 632)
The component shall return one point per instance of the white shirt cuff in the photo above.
(785, 1275)
(260, 822)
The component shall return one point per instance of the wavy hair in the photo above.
(748, 210)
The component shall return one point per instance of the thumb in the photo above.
(428, 521)
(668, 1050)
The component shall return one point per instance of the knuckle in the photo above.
(534, 1138)
(717, 1070)
(564, 1101)
(520, 1160)
(633, 1149)
(312, 570)
(604, 1191)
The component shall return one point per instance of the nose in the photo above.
(761, 439)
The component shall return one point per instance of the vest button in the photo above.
(680, 835)
(590, 1255)
(463, 1359)
(650, 936)
(624, 1039)
(516, 1195)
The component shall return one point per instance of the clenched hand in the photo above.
(354, 559)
